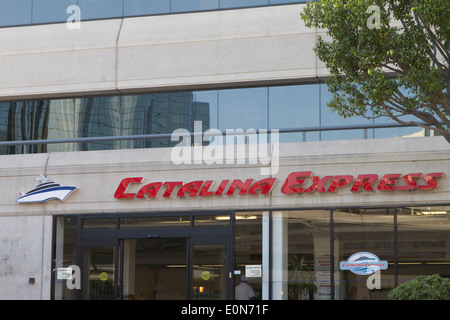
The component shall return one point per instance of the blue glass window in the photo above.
(242, 3)
(332, 118)
(142, 7)
(283, 1)
(51, 10)
(398, 131)
(207, 107)
(97, 9)
(15, 12)
(194, 5)
(295, 107)
(277, 107)
(243, 109)
(25, 12)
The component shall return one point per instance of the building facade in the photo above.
(180, 148)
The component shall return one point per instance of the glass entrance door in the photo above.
(99, 272)
(175, 268)
(209, 269)
(154, 258)
(154, 269)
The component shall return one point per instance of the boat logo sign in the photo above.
(363, 263)
(46, 190)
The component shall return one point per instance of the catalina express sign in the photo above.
(363, 263)
(46, 190)
(296, 183)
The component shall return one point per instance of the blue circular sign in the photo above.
(363, 263)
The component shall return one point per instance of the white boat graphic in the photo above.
(44, 191)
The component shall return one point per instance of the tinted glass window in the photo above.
(142, 7)
(15, 12)
(398, 131)
(241, 3)
(97, 9)
(51, 10)
(282, 1)
(243, 108)
(279, 107)
(295, 107)
(194, 5)
(332, 118)
(24, 12)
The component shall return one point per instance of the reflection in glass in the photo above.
(209, 272)
(331, 118)
(207, 100)
(248, 248)
(295, 107)
(27, 120)
(98, 273)
(301, 255)
(243, 108)
(99, 117)
(162, 113)
(360, 230)
(399, 131)
(154, 269)
(423, 242)
(277, 107)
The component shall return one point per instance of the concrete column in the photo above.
(129, 266)
(265, 255)
(279, 257)
(59, 256)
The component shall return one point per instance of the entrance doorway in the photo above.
(210, 274)
(154, 269)
(157, 268)
(99, 271)
(175, 269)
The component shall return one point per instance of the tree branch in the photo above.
(437, 126)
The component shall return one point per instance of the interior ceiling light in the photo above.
(237, 217)
(432, 212)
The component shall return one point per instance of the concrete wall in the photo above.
(25, 235)
(188, 50)
(25, 254)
